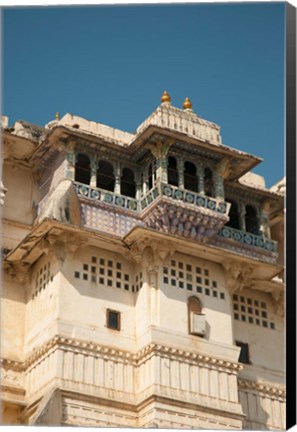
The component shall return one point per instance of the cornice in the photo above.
(247, 385)
(136, 359)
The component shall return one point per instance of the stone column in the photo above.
(117, 186)
(94, 167)
(219, 187)
(138, 186)
(242, 216)
(70, 165)
(264, 219)
(200, 173)
(180, 170)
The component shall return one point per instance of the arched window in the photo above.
(251, 220)
(196, 318)
(208, 182)
(105, 176)
(128, 186)
(233, 215)
(152, 174)
(172, 172)
(82, 169)
(190, 177)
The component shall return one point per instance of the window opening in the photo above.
(128, 187)
(251, 220)
(82, 169)
(172, 172)
(190, 177)
(208, 182)
(233, 215)
(105, 176)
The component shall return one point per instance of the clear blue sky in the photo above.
(111, 64)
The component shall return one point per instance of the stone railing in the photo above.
(248, 238)
(107, 197)
(185, 196)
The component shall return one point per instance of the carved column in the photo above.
(160, 150)
(138, 186)
(93, 181)
(145, 186)
(264, 219)
(71, 159)
(180, 169)
(200, 172)
(242, 216)
(219, 187)
(117, 186)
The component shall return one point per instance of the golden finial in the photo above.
(187, 104)
(57, 116)
(165, 98)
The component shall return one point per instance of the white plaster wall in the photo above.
(18, 199)
(83, 303)
(12, 319)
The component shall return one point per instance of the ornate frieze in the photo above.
(248, 239)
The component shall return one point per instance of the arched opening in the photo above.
(251, 220)
(196, 319)
(172, 172)
(151, 175)
(128, 187)
(105, 176)
(190, 177)
(82, 169)
(208, 182)
(233, 215)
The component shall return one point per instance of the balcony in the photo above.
(248, 239)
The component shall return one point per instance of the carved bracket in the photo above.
(238, 275)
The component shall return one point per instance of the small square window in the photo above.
(102, 261)
(242, 317)
(199, 289)
(206, 272)
(198, 270)
(207, 291)
(263, 305)
(249, 301)
(118, 284)
(189, 267)
(264, 314)
(272, 326)
(93, 269)
(165, 270)
(101, 281)
(257, 321)
(181, 284)
(235, 306)
(119, 266)
(140, 275)
(257, 312)
(242, 308)
(265, 324)
(214, 284)
(251, 320)
(94, 259)
(189, 287)
(109, 273)
(256, 302)
(165, 280)
(235, 297)
(222, 296)
(85, 276)
(76, 275)
(109, 263)
(236, 316)
(173, 263)
(250, 310)
(109, 282)
(189, 277)
(180, 274)
(93, 278)
(244, 352)
(113, 319)
(242, 299)
(180, 265)
(173, 282)
(199, 279)
(215, 293)
(206, 281)
(85, 267)
(132, 287)
(173, 272)
(126, 287)
(126, 277)
(119, 275)
(101, 270)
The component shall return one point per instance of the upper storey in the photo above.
(173, 176)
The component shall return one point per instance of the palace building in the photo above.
(142, 277)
